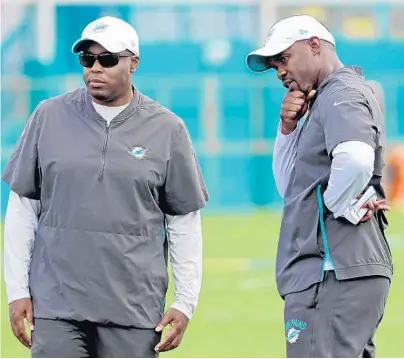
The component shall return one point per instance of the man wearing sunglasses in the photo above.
(104, 184)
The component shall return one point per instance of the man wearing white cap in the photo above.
(334, 264)
(104, 184)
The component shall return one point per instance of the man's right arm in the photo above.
(294, 107)
(284, 158)
(19, 234)
(23, 175)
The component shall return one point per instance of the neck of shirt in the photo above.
(108, 113)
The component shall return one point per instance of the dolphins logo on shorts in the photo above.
(293, 335)
(293, 329)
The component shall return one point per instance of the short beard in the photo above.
(103, 98)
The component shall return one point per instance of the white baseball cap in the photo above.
(115, 35)
(283, 34)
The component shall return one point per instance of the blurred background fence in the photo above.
(193, 61)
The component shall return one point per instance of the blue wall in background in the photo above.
(175, 62)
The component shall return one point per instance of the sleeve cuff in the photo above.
(16, 294)
(288, 136)
(184, 308)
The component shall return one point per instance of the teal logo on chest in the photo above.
(138, 152)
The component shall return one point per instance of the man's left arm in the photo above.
(184, 195)
(351, 137)
(185, 246)
(351, 170)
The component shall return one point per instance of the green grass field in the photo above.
(240, 313)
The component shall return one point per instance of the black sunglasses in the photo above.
(105, 59)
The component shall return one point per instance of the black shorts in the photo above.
(68, 339)
(335, 318)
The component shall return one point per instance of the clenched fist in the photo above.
(294, 107)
